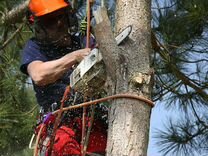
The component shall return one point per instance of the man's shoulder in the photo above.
(32, 41)
(31, 45)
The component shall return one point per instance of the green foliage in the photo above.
(183, 23)
(182, 140)
(25, 152)
(182, 45)
(15, 104)
(181, 74)
(17, 100)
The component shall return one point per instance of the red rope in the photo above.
(58, 119)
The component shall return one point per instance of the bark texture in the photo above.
(129, 119)
(107, 43)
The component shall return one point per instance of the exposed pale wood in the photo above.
(129, 119)
(89, 76)
(106, 42)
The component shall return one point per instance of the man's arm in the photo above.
(43, 73)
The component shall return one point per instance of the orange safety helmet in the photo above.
(43, 7)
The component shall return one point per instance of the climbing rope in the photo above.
(58, 118)
(35, 153)
(94, 102)
(83, 141)
(56, 124)
(88, 24)
(117, 96)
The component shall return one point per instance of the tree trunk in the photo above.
(129, 119)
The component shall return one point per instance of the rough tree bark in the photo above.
(128, 67)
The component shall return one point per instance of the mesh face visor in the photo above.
(55, 28)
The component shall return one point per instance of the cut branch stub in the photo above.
(107, 43)
(141, 78)
(140, 82)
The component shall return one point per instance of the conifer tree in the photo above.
(180, 27)
(17, 107)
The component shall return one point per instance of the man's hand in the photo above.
(80, 54)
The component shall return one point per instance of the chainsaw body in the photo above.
(90, 75)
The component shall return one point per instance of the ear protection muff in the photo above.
(72, 22)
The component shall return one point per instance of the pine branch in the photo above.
(181, 76)
(22, 114)
(195, 112)
(181, 138)
(11, 37)
(15, 15)
(164, 8)
(167, 88)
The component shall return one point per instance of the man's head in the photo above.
(54, 21)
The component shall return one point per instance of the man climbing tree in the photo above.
(48, 58)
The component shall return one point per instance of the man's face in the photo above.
(55, 27)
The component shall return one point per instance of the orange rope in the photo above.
(85, 104)
(88, 24)
(117, 96)
(89, 130)
(35, 153)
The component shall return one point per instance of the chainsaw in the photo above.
(90, 74)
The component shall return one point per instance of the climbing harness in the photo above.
(85, 104)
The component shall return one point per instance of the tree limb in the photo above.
(106, 41)
(16, 14)
(181, 76)
(11, 37)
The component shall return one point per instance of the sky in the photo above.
(159, 116)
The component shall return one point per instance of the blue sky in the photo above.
(158, 118)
